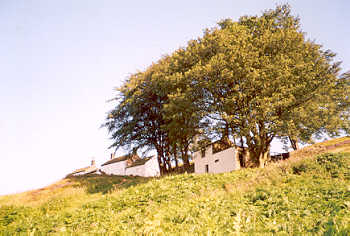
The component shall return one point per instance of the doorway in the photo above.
(206, 168)
(241, 159)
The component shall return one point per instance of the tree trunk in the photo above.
(186, 162)
(259, 158)
(242, 143)
(263, 158)
(161, 161)
(226, 135)
(259, 150)
(176, 160)
(169, 164)
(294, 143)
(184, 155)
(161, 165)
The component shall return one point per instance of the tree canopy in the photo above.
(253, 80)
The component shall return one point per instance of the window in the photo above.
(203, 152)
(206, 168)
(217, 160)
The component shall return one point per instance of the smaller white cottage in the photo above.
(146, 167)
(131, 164)
(117, 165)
(92, 169)
(218, 158)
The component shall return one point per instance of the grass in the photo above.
(336, 141)
(299, 196)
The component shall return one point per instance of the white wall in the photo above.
(152, 167)
(136, 170)
(116, 168)
(226, 161)
(149, 169)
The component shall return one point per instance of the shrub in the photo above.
(298, 169)
(333, 163)
(331, 160)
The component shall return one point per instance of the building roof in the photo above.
(117, 159)
(139, 162)
(121, 158)
(80, 170)
(91, 170)
(86, 170)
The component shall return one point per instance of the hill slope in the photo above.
(302, 195)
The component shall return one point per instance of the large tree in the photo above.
(255, 79)
(137, 119)
(267, 80)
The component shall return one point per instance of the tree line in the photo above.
(245, 82)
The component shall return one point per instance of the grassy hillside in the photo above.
(310, 193)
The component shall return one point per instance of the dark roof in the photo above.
(140, 162)
(117, 159)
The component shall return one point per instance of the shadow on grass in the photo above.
(106, 183)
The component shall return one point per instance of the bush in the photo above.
(333, 163)
(331, 160)
(298, 169)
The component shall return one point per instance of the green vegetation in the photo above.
(298, 196)
(247, 81)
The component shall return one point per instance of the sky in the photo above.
(60, 62)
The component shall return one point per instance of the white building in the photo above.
(218, 159)
(115, 166)
(131, 164)
(92, 169)
(146, 167)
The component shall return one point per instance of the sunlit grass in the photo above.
(298, 196)
(335, 141)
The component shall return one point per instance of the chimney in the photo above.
(112, 156)
(134, 155)
(93, 163)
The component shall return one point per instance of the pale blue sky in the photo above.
(60, 61)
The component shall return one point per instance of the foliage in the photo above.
(267, 80)
(254, 80)
(334, 163)
(276, 199)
